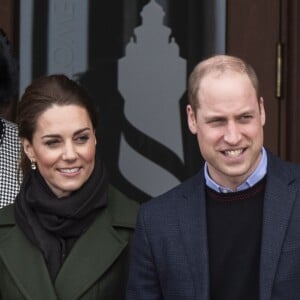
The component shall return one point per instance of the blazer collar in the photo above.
(90, 257)
(280, 194)
(192, 221)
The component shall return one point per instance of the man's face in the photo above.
(229, 127)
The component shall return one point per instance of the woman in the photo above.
(65, 237)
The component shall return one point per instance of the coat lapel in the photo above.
(278, 202)
(26, 266)
(90, 257)
(192, 221)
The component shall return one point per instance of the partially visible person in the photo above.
(67, 236)
(231, 232)
(10, 175)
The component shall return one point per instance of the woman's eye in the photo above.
(82, 139)
(52, 143)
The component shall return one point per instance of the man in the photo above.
(10, 175)
(233, 230)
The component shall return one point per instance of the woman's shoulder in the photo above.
(7, 219)
(122, 209)
(7, 216)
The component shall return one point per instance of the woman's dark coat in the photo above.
(96, 267)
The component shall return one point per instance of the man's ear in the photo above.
(262, 111)
(191, 118)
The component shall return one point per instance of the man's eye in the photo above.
(246, 118)
(216, 122)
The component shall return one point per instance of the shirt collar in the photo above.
(255, 177)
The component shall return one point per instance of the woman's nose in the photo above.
(69, 152)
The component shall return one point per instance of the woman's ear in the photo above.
(27, 147)
(95, 137)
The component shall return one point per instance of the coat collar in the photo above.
(84, 265)
(281, 191)
(26, 266)
(90, 257)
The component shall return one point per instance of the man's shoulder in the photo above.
(178, 193)
(11, 141)
(160, 214)
(281, 167)
(9, 124)
(10, 128)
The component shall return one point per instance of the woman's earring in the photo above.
(33, 165)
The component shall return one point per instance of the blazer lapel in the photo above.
(192, 221)
(90, 257)
(26, 266)
(278, 202)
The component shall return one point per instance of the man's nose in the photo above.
(232, 134)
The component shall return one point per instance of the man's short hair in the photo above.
(218, 64)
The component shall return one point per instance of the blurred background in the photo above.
(134, 57)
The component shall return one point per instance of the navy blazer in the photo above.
(170, 253)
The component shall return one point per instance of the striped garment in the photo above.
(10, 174)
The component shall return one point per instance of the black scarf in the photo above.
(54, 224)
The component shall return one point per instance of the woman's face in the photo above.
(63, 147)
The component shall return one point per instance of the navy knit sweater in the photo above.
(234, 223)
